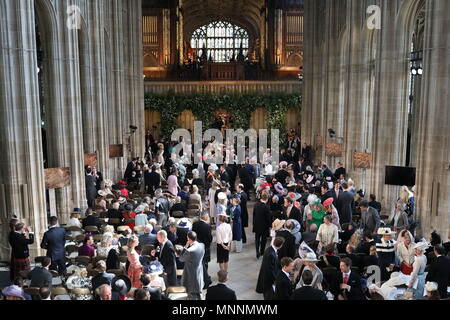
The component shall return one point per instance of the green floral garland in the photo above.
(240, 106)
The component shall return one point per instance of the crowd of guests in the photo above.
(151, 233)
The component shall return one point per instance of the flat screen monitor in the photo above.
(400, 176)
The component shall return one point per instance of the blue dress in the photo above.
(237, 223)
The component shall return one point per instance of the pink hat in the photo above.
(328, 202)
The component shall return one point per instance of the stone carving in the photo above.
(333, 150)
(57, 178)
(362, 160)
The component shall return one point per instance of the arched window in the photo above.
(222, 41)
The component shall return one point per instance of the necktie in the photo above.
(345, 278)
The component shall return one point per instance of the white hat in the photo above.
(222, 196)
(102, 193)
(422, 246)
(278, 224)
(309, 179)
(310, 257)
(385, 231)
(312, 198)
(431, 286)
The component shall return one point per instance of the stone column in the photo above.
(433, 163)
(22, 189)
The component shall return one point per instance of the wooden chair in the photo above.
(97, 259)
(139, 229)
(59, 291)
(176, 293)
(75, 229)
(70, 238)
(98, 237)
(177, 214)
(54, 273)
(81, 291)
(80, 238)
(179, 273)
(71, 248)
(33, 292)
(147, 249)
(93, 229)
(84, 260)
(117, 272)
(114, 221)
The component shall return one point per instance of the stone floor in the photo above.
(243, 267)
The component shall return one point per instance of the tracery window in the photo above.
(222, 41)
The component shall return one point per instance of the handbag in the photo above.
(405, 269)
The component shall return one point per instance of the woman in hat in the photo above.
(328, 234)
(237, 224)
(398, 219)
(74, 221)
(172, 182)
(222, 204)
(224, 236)
(129, 215)
(101, 199)
(155, 271)
(405, 251)
(317, 214)
(120, 286)
(386, 252)
(122, 186)
(135, 268)
(105, 246)
(13, 293)
(160, 154)
(432, 292)
(417, 280)
(310, 263)
(331, 210)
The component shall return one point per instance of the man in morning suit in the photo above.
(283, 283)
(167, 257)
(220, 291)
(54, 242)
(204, 235)
(261, 224)
(290, 211)
(269, 270)
(307, 292)
(346, 285)
(345, 205)
(440, 271)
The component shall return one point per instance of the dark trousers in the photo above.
(58, 265)
(244, 236)
(206, 278)
(260, 242)
(171, 276)
(268, 294)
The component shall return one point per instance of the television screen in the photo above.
(400, 176)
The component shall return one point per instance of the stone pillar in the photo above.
(278, 43)
(433, 163)
(22, 189)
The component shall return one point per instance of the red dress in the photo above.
(135, 269)
(129, 215)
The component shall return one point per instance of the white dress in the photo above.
(160, 157)
(406, 254)
(212, 205)
(327, 234)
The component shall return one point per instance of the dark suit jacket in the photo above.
(182, 236)
(244, 211)
(354, 282)
(40, 277)
(246, 177)
(147, 239)
(261, 218)
(19, 245)
(167, 257)
(91, 221)
(155, 294)
(283, 287)
(440, 273)
(309, 294)
(269, 270)
(224, 176)
(288, 248)
(153, 180)
(345, 206)
(54, 242)
(295, 214)
(220, 292)
(204, 235)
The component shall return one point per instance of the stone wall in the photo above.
(93, 92)
(357, 83)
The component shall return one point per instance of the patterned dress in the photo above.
(135, 269)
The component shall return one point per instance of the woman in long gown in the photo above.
(135, 268)
(212, 204)
(417, 280)
(237, 224)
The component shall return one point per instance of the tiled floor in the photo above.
(243, 267)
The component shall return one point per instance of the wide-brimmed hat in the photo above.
(13, 291)
(309, 179)
(310, 257)
(385, 231)
(102, 193)
(156, 268)
(422, 246)
(278, 224)
(328, 202)
(278, 187)
(222, 196)
(108, 183)
(431, 286)
(121, 284)
(122, 199)
(184, 223)
(77, 210)
(294, 196)
(128, 207)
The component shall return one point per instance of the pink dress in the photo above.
(135, 269)
(172, 184)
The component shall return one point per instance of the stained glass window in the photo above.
(221, 39)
